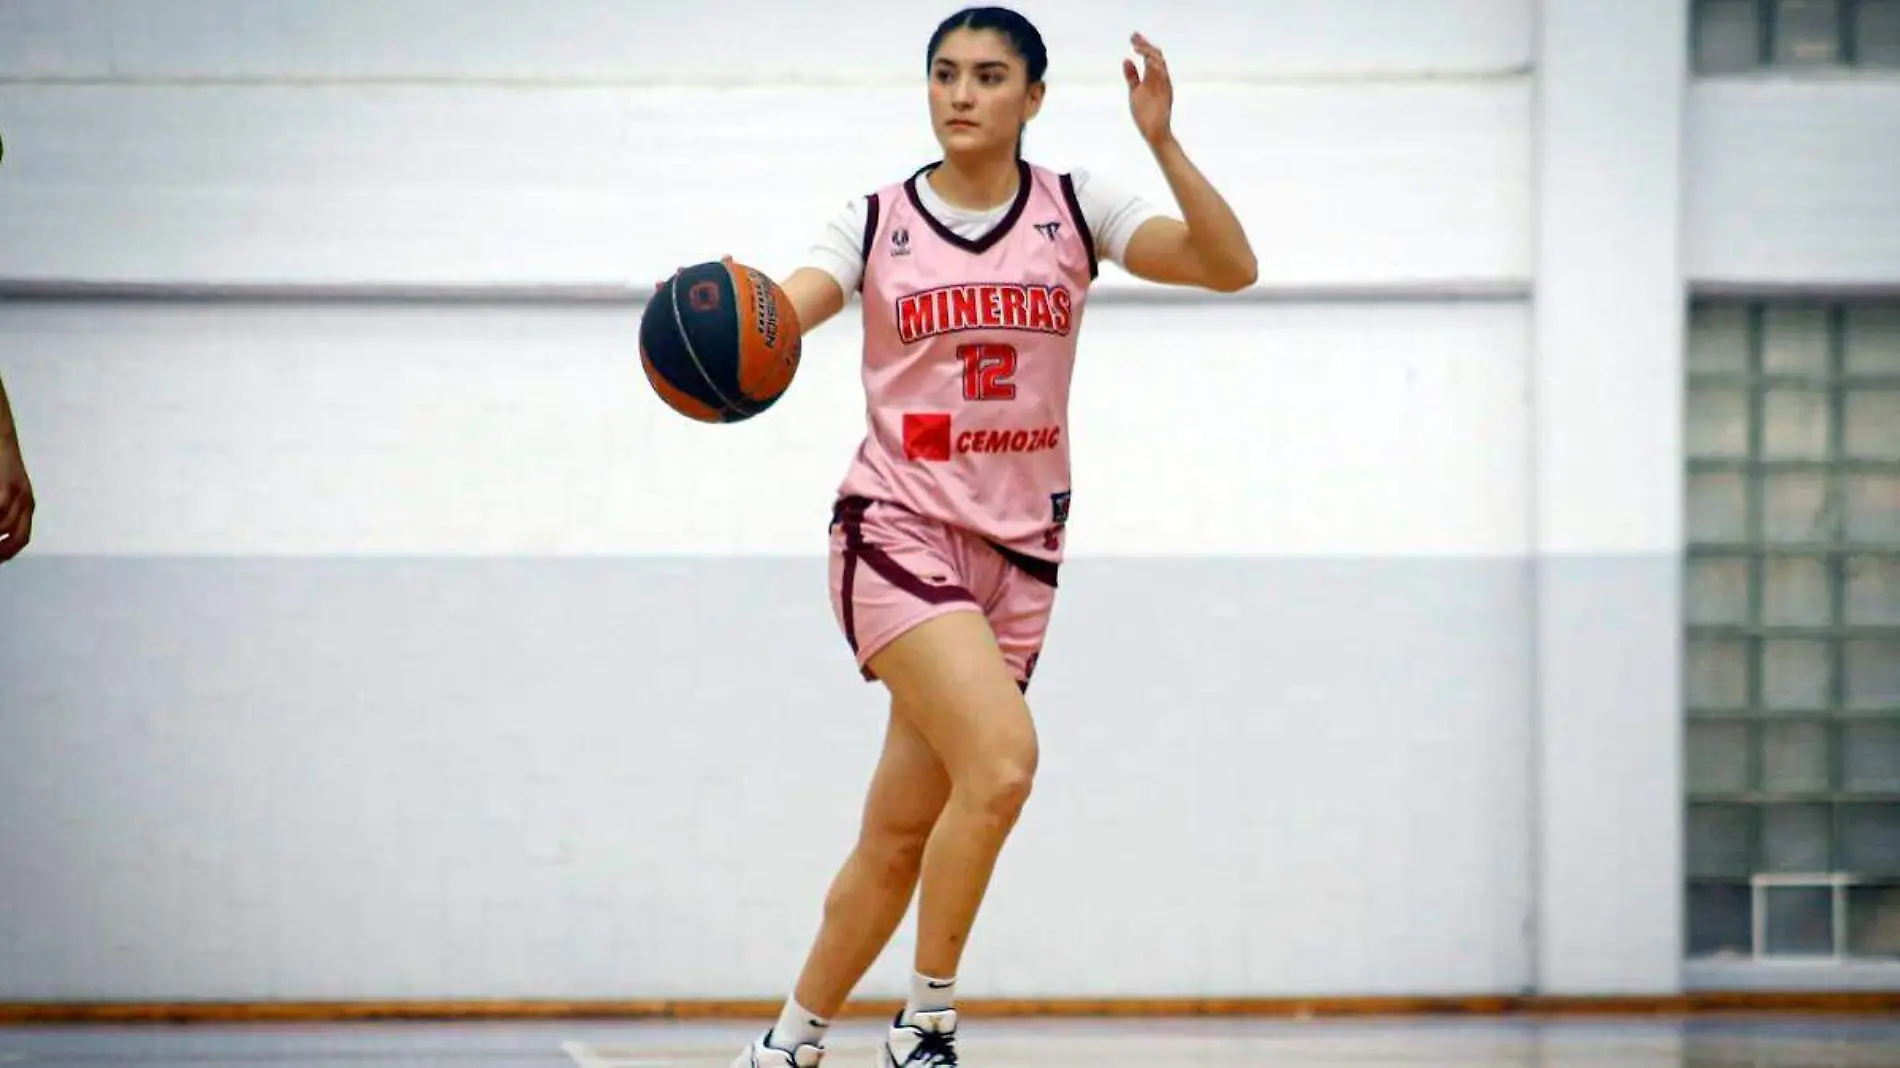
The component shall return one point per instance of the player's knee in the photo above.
(1001, 782)
(893, 850)
(1010, 792)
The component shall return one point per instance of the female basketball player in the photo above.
(947, 533)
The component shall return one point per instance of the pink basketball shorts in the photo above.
(892, 569)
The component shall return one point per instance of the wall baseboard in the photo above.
(224, 1012)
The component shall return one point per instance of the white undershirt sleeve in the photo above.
(839, 250)
(1114, 213)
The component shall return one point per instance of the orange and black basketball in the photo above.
(720, 342)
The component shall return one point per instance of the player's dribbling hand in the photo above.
(16, 502)
(1150, 93)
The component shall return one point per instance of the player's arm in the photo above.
(1207, 246)
(815, 296)
(16, 492)
(815, 291)
(1210, 253)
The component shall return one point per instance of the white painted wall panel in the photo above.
(1608, 337)
(648, 41)
(1254, 430)
(518, 777)
(1407, 187)
(1793, 184)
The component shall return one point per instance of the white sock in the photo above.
(930, 995)
(797, 1026)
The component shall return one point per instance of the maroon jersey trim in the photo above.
(1081, 224)
(997, 232)
(870, 236)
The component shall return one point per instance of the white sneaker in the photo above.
(760, 1055)
(928, 1041)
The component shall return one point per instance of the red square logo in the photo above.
(927, 436)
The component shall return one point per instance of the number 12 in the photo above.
(987, 369)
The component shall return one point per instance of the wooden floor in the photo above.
(1015, 1043)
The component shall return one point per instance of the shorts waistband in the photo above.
(1044, 571)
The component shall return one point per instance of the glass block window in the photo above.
(1732, 36)
(1792, 606)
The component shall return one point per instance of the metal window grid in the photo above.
(1858, 34)
(1753, 827)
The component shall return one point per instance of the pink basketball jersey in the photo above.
(969, 347)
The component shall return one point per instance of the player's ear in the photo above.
(1036, 90)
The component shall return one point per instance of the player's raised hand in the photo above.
(1150, 92)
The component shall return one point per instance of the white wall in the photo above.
(1607, 333)
(723, 42)
(381, 649)
(596, 145)
(539, 694)
(298, 431)
(1792, 186)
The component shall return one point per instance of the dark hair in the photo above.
(1022, 35)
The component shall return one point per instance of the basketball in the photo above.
(720, 342)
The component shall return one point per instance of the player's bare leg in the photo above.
(950, 678)
(869, 895)
(873, 890)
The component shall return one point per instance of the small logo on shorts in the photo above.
(1058, 518)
